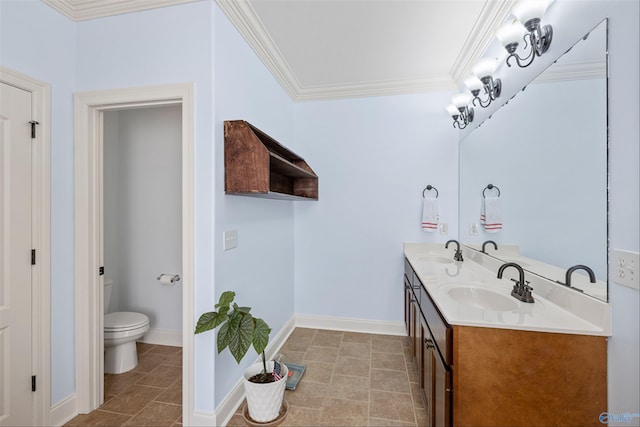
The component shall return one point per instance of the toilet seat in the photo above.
(123, 321)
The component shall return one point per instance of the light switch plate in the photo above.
(625, 266)
(230, 239)
(444, 228)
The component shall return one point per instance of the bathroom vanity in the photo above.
(485, 358)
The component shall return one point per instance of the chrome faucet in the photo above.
(458, 255)
(521, 290)
(495, 245)
(567, 277)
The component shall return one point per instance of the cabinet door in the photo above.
(442, 392)
(407, 305)
(425, 371)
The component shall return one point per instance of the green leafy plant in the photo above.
(239, 331)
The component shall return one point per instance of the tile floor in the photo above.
(351, 379)
(149, 395)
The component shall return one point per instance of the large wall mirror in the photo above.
(546, 152)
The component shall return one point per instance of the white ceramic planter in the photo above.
(264, 400)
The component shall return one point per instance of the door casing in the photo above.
(89, 107)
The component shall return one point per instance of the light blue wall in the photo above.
(165, 46)
(45, 50)
(261, 269)
(175, 45)
(374, 157)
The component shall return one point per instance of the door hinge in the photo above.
(33, 257)
(33, 128)
(101, 271)
(33, 383)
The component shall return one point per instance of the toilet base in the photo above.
(120, 358)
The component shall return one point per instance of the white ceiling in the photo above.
(319, 49)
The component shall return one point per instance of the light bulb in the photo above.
(511, 33)
(461, 100)
(485, 67)
(473, 83)
(528, 10)
(452, 110)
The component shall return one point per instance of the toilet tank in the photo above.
(108, 284)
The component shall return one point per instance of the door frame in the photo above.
(89, 108)
(41, 241)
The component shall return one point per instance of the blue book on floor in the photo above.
(295, 375)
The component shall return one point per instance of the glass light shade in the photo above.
(511, 33)
(528, 10)
(461, 100)
(452, 110)
(485, 67)
(473, 83)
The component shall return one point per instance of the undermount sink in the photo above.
(480, 297)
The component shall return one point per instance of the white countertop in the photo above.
(556, 309)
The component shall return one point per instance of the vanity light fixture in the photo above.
(460, 111)
(537, 38)
(483, 80)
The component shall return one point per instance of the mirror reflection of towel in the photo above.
(430, 214)
(491, 214)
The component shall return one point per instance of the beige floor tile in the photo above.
(327, 339)
(308, 395)
(397, 381)
(351, 388)
(357, 337)
(344, 408)
(297, 344)
(156, 414)
(142, 347)
(165, 349)
(416, 394)
(303, 333)
(301, 417)
(132, 400)
(413, 373)
(149, 361)
(174, 359)
(357, 350)
(352, 366)
(293, 356)
(318, 372)
(321, 354)
(379, 422)
(390, 361)
(387, 344)
(391, 406)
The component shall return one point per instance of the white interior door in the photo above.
(15, 257)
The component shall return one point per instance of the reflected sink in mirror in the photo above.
(480, 297)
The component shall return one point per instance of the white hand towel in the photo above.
(430, 214)
(491, 214)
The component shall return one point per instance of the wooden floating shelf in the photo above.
(257, 165)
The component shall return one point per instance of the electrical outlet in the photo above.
(473, 229)
(625, 268)
(229, 239)
(444, 228)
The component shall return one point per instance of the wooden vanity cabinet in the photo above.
(481, 376)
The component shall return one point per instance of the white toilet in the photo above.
(121, 330)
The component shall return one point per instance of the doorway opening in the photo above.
(90, 111)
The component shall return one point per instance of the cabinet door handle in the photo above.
(429, 343)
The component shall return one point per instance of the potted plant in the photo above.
(265, 382)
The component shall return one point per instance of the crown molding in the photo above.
(246, 20)
(492, 16)
(80, 10)
(571, 72)
(381, 88)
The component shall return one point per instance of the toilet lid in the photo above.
(124, 321)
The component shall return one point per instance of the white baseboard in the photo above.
(63, 411)
(203, 419)
(351, 325)
(163, 337)
(234, 399)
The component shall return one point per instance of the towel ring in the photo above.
(490, 187)
(430, 187)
